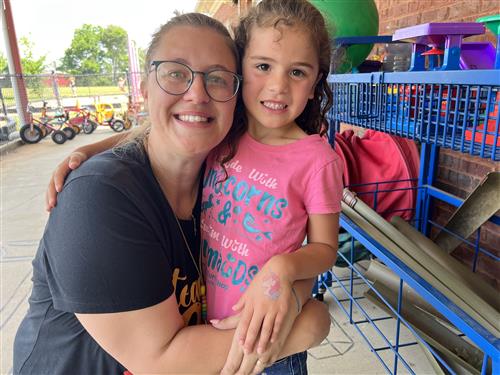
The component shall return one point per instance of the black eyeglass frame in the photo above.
(157, 63)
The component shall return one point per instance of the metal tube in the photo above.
(437, 335)
(456, 291)
(376, 271)
(476, 209)
(435, 364)
(473, 280)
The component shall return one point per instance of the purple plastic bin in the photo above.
(477, 55)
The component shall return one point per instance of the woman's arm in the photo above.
(117, 263)
(153, 340)
(73, 161)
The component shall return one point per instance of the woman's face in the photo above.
(192, 123)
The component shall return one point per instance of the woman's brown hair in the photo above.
(227, 149)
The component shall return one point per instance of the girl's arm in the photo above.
(73, 161)
(318, 256)
(262, 314)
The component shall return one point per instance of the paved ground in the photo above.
(24, 174)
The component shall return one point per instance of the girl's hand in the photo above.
(73, 161)
(243, 361)
(264, 307)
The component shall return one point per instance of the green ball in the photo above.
(350, 18)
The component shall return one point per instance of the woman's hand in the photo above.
(238, 362)
(241, 363)
(73, 161)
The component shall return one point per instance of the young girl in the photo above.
(283, 183)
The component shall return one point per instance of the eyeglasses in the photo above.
(176, 78)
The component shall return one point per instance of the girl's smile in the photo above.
(280, 70)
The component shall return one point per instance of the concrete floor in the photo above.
(24, 174)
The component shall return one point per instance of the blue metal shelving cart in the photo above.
(457, 110)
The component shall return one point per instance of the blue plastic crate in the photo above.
(458, 110)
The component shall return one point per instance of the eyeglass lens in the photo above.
(176, 78)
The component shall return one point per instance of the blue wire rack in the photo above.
(457, 110)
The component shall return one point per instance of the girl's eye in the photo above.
(297, 73)
(263, 67)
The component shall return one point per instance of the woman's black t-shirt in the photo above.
(111, 244)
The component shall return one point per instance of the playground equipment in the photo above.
(493, 24)
(133, 113)
(40, 127)
(429, 38)
(104, 115)
(349, 19)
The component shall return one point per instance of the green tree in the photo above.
(4, 67)
(114, 40)
(30, 64)
(141, 54)
(96, 50)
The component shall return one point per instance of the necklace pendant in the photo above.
(203, 303)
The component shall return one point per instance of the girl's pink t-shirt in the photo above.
(261, 210)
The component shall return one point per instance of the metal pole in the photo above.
(14, 61)
(4, 109)
(55, 88)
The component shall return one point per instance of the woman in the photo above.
(116, 278)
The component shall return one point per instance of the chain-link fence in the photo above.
(55, 93)
(59, 89)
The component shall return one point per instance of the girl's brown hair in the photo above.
(296, 13)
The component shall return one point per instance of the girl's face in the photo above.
(280, 70)
(192, 123)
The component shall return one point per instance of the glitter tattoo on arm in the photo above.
(272, 286)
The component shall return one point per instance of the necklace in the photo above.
(198, 268)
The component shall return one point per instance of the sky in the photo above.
(50, 24)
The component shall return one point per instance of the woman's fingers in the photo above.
(56, 182)
(62, 170)
(240, 304)
(261, 365)
(76, 158)
(234, 357)
(73, 161)
(50, 195)
(251, 364)
(228, 323)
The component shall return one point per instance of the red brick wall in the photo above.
(228, 12)
(457, 174)
(395, 14)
